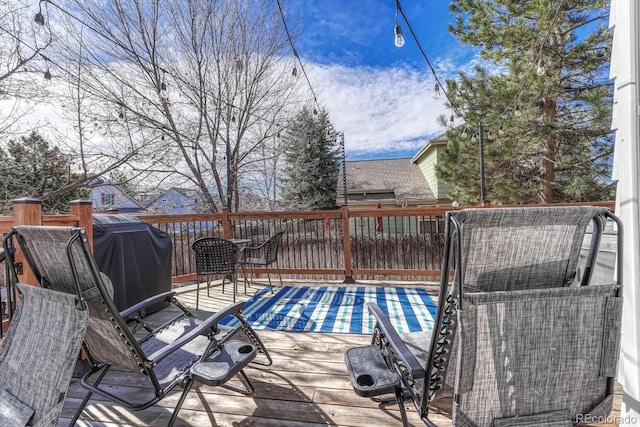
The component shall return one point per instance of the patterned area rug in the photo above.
(342, 309)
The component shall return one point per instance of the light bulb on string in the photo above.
(450, 123)
(501, 130)
(163, 91)
(517, 112)
(39, 19)
(436, 91)
(464, 133)
(540, 68)
(474, 137)
(397, 30)
(163, 88)
(399, 40)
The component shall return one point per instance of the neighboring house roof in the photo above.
(438, 140)
(176, 201)
(376, 180)
(107, 196)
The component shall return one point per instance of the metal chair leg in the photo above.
(181, 400)
(197, 292)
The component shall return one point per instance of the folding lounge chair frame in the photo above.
(392, 364)
(38, 355)
(61, 259)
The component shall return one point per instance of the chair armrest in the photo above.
(253, 248)
(165, 296)
(209, 323)
(400, 349)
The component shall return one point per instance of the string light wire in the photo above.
(520, 89)
(295, 54)
(270, 121)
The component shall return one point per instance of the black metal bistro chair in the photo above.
(264, 254)
(216, 256)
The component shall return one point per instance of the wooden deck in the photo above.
(307, 385)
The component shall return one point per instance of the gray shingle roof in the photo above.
(401, 177)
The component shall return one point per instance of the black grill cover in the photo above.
(135, 256)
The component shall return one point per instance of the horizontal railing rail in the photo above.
(367, 243)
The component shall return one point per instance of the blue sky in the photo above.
(379, 95)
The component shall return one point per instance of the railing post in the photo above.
(226, 224)
(26, 211)
(346, 240)
(83, 210)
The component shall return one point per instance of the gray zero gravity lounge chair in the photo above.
(38, 356)
(521, 336)
(176, 353)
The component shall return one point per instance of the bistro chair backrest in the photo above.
(215, 255)
(271, 248)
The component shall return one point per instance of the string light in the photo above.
(517, 112)
(39, 18)
(295, 53)
(163, 87)
(450, 123)
(540, 68)
(436, 91)
(397, 30)
(399, 40)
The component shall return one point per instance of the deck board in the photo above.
(307, 385)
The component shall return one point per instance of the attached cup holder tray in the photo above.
(224, 364)
(369, 373)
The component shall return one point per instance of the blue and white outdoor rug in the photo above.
(338, 309)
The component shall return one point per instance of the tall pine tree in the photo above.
(312, 160)
(31, 167)
(545, 104)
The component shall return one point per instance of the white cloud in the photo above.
(379, 110)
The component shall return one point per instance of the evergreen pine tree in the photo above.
(546, 110)
(312, 161)
(30, 167)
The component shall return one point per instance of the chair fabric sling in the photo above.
(216, 256)
(264, 255)
(520, 291)
(545, 354)
(38, 356)
(162, 354)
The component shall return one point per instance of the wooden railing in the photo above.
(346, 243)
